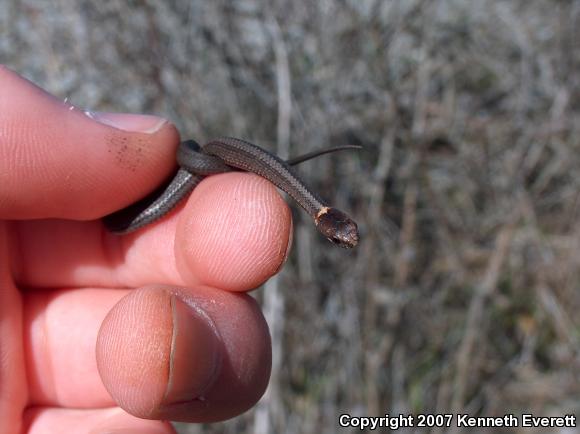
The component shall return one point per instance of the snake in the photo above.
(228, 154)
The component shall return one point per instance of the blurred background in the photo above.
(461, 295)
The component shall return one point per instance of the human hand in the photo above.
(178, 339)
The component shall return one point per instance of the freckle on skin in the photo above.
(129, 151)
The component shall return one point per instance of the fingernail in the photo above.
(196, 354)
(128, 121)
(288, 247)
(290, 241)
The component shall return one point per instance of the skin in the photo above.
(97, 329)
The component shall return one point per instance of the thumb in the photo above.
(60, 161)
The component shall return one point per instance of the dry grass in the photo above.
(461, 296)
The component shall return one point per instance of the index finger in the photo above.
(59, 161)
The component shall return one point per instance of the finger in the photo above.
(59, 161)
(212, 365)
(47, 420)
(192, 355)
(233, 234)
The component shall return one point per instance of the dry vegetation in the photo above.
(462, 293)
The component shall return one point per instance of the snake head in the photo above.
(338, 227)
